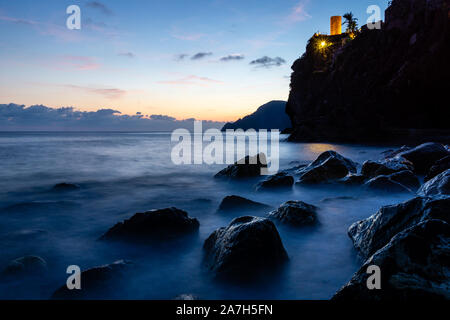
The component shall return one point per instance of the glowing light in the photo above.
(323, 44)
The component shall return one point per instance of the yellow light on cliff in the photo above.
(323, 44)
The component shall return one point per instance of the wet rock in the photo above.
(425, 155)
(372, 169)
(277, 181)
(98, 282)
(353, 180)
(385, 184)
(295, 213)
(65, 187)
(373, 233)
(340, 198)
(407, 179)
(24, 266)
(438, 167)
(246, 167)
(233, 203)
(414, 266)
(439, 185)
(246, 248)
(155, 224)
(329, 166)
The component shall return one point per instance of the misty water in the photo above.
(124, 173)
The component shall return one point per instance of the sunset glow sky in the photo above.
(201, 58)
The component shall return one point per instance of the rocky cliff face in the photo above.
(382, 84)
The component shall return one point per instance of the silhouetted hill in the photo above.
(272, 115)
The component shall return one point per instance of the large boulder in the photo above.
(25, 266)
(439, 185)
(295, 213)
(277, 181)
(233, 203)
(245, 168)
(425, 155)
(385, 184)
(406, 178)
(414, 265)
(371, 169)
(438, 167)
(373, 233)
(155, 224)
(97, 283)
(248, 247)
(353, 180)
(328, 167)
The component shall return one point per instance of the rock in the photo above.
(371, 169)
(246, 167)
(407, 179)
(438, 167)
(97, 282)
(425, 155)
(65, 187)
(329, 166)
(155, 224)
(414, 267)
(353, 180)
(340, 198)
(233, 203)
(439, 185)
(385, 184)
(279, 180)
(246, 248)
(295, 213)
(375, 232)
(24, 266)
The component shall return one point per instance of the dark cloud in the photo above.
(201, 55)
(127, 54)
(268, 62)
(99, 6)
(15, 117)
(181, 56)
(232, 57)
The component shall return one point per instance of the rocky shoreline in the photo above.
(409, 241)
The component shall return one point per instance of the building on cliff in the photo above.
(335, 25)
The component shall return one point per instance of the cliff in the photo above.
(382, 85)
(269, 116)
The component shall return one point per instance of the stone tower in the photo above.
(335, 25)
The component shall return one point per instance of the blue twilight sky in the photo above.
(178, 58)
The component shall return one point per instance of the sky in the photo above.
(206, 59)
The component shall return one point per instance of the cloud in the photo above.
(127, 54)
(181, 56)
(99, 6)
(76, 62)
(201, 55)
(192, 80)
(232, 57)
(15, 117)
(299, 13)
(18, 20)
(268, 62)
(109, 93)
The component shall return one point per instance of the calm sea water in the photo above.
(124, 173)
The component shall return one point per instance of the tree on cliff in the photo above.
(351, 22)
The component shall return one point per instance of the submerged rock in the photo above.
(438, 167)
(24, 266)
(439, 185)
(277, 181)
(373, 233)
(65, 187)
(244, 249)
(233, 203)
(155, 224)
(246, 167)
(414, 266)
(98, 282)
(329, 166)
(295, 213)
(425, 155)
(385, 184)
